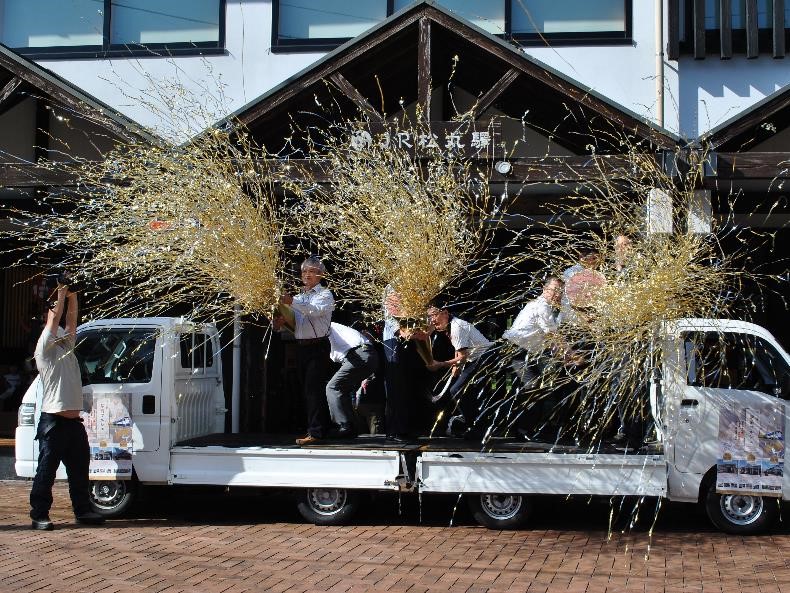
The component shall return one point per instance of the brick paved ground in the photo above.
(214, 543)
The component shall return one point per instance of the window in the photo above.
(197, 352)
(318, 25)
(571, 20)
(735, 361)
(489, 16)
(116, 356)
(110, 28)
(737, 14)
(327, 20)
(737, 19)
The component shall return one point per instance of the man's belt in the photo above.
(311, 341)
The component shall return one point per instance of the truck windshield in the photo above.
(728, 360)
(116, 355)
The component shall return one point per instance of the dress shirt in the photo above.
(464, 335)
(313, 313)
(342, 339)
(532, 324)
(391, 325)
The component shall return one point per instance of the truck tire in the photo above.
(740, 514)
(328, 506)
(500, 511)
(112, 498)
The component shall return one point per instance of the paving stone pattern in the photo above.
(249, 553)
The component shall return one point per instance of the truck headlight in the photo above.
(26, 416)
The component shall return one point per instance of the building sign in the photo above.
(109, 428)
(751, 451)
(472, 140)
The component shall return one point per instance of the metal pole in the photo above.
(235, 396)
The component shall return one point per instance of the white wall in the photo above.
(711, 91)
(248, 70)
(699, 94)
(623, 73)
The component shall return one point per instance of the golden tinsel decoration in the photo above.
(154, 226)
(408, 220)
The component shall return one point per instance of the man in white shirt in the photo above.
(60, 433)
(358, 361)
(469, 345)
(534, 330)
(312, 310)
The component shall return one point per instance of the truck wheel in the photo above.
(328, 506)
(112, 498)
(500, 511)
(740, 514)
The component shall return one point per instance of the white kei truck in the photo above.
(718, 387)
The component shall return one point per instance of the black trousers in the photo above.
(396, 407)
(61, 439)
(313, 359)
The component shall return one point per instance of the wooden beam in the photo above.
(424, 67)
(779, 29)
(7, 90)
(350, 91)
(673, 27)
(698, 22)
(524, 169)
(32, 175)
(753, 165)
(752, 44)
(725, 28)
(494, 92)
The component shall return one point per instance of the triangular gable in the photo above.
(388, 66)
(20, 77)
(761, 127)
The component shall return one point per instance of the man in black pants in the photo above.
(312, 310)
(60, 434)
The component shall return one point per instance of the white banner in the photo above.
(109, 428)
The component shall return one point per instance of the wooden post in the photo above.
(424, 68)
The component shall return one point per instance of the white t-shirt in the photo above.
(465, 335)
(531, 325)
(59, 372)
(342, 339)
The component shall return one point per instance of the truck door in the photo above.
(736, 389)
(125, 361)
(199, 405)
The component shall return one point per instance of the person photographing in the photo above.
(61, 435)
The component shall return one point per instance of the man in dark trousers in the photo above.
(61, 435)
(312, 312)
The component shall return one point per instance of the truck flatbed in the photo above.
(419, 444)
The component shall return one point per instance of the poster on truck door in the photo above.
(109, 428)
(751, 451)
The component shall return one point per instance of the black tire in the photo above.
(500, 511)
(328, 506)
(740, 514)
(112, 498)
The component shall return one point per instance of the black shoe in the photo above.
(42, 524)
(90, 518)
(344, 431)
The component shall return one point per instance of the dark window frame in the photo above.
(524, 39)
(120, 50)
